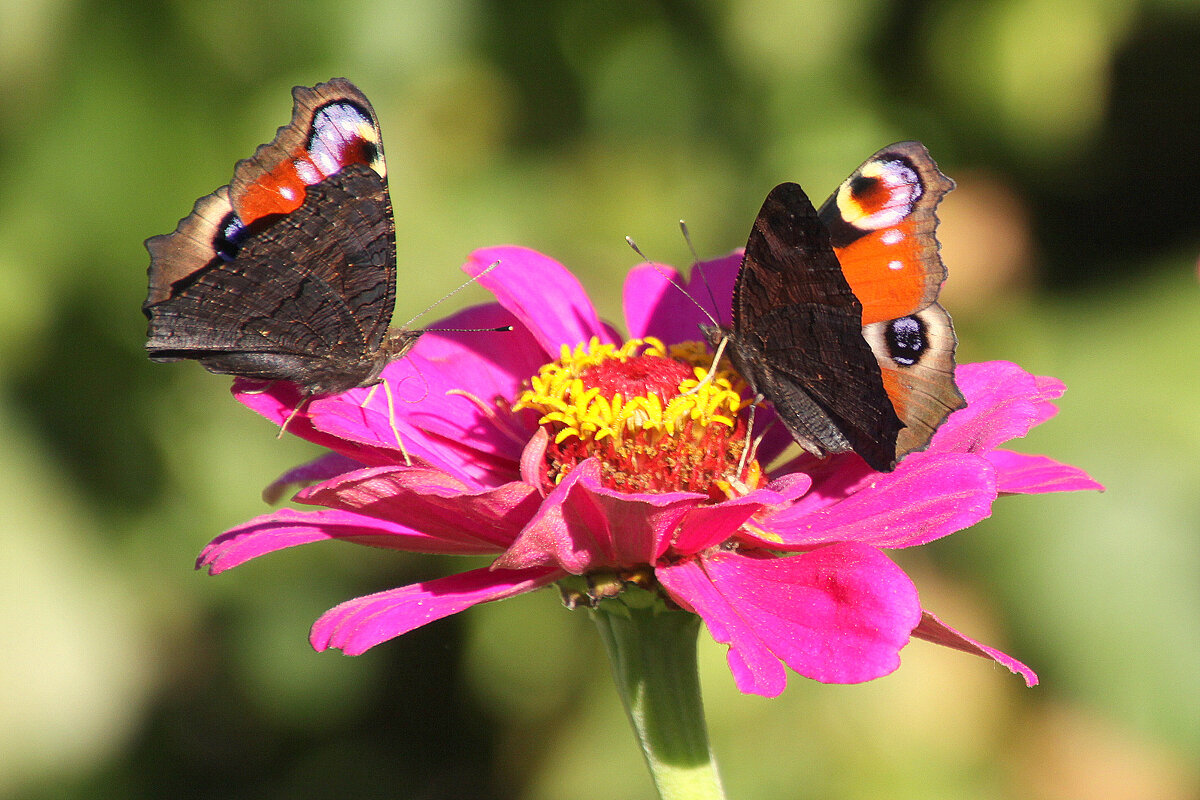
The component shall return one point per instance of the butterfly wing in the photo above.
(271, 313)
(881, 223)
(304, 232)
(797, 336)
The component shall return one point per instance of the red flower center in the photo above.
(655, 422)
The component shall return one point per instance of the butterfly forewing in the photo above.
(333, 125)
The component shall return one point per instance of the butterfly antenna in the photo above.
(687, 237)
(658, 268)
(500, 329)
(453, 292)
(446, 297)
(712, 370)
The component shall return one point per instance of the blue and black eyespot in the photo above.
(231, 234)
(907, 339)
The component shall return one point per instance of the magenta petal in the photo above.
(341, 422)
(650, 310)
(934, 630)
(1003, 402)
(275, 401)
(448, 384)
(441, 507)
(278, 401)
(838, 614)
(540, 292)
(319, 469)
(361, 417)
(930, 495)
(360, 421)
(288, 528)
(582, 526)
(358, 625)
(1018, 473)
(755, 668)
(485, 363)
(1050, 388)
(533, 457)
(706, 526)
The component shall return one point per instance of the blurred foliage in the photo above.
(1073, 129)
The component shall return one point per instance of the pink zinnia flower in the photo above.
(562, 451)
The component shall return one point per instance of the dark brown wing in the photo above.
(797, 336)
(287, 273)
(307, 299)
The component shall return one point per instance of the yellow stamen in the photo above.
(559, 392)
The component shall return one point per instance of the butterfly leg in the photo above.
(303, 402)
(749, 430)
(391, 405)
(712, 370)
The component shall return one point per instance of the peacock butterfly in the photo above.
(835, 314)
(289, 272)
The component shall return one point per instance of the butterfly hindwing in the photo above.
(882, 222)
(918, 372)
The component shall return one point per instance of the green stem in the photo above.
(653, 655)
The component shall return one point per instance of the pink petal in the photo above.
(706, 526)
(287, 528)
(834, 477)
(1050, 388)
(359, 425)
(930, 495)
(442, 383)
(358, 625)
(934, 630)
(319, 469)
(440, 506)
(361, 419)
(650, 308)
(542, 294)
(755, 668)
(428, 412)
(838, 614)
(582, 526)
(1003, 402)
(533, 457)
(278, 402)
(655, 307)
(1018, 473)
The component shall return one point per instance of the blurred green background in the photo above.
(1073, 130)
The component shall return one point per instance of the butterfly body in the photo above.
(835, 319)
(289, 272)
